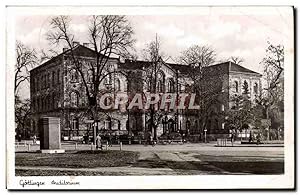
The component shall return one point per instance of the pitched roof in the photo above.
(78, 50)
(139, 64)
(230, 66)
(238, 68)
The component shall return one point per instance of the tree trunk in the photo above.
(268, 128)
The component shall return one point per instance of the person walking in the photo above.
(151, 140)
(34, 139)
(110, 140)
(98, 142)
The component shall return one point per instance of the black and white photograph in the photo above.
(150, 97)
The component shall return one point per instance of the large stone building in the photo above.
(56, 90)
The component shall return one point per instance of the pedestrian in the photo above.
(110, 139)
(34, 139)
(19, 138)
(258, 138)
(232, 136)
(151, 140)
(98, 142)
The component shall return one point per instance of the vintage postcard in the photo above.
(168, 97)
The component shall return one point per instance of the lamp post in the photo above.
(205, 130)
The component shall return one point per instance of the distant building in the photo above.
(56, 90)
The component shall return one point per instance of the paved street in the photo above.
(176, 159)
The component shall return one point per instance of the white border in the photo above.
(150, 182)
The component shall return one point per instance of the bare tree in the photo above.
(26, 59)
(109, 35)
(153, 54)
(199, 59)
(198, 56)
(22, 116)
(236, 60)
(272, 94)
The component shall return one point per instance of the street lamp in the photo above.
(205, 130)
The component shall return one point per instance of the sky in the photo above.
(229, 31)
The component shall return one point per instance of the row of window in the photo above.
(245, 87)
(46, 80)
(74, 78)
(160, 86)
(44, 103)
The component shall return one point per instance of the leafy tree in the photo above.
(241, 115)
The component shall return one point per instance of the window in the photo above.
(53, 78)
(171, 87)
(161, 82)
(119, 125)
(48, 78)
(236, 86)
(255, 88)
(74, 75)
(188, 125)
(179, 87)
(37, 84)
(74, 99)
(107, 123)
(75, 124)
(245, 87)
(58, 76)
(117, 85)
(53, 101)
(159, 86)
(148, 85)
(90, 76)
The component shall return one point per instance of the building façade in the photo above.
(56, 90)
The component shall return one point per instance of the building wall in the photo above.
(240, 78)
(53, 87)
(46, 90)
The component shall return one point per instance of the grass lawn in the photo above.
(79, 159)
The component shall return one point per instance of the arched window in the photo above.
(161, 82)
(74, 99)
(171, 86)
(75, 124)
(74, 75)
(119, 125)
(245, 87)
(236, 86)
(159, 86)
(117, 85)
(188, 125)
(179, 87)
(90, 76)
(171, 125)
(148, 85)
(255, 88)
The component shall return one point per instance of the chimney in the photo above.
(75, 43)
(86, 45)
(65, 49)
